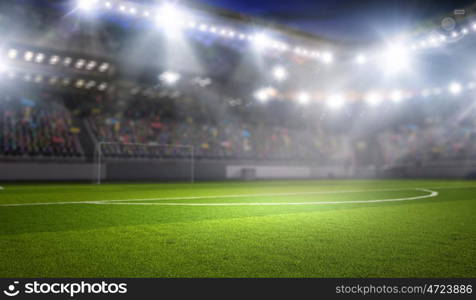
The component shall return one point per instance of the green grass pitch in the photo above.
(240, 229)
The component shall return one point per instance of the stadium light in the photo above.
(54, 59)
(103, 67)
(91, 65)
(79, 83)
(170, 78)
(303, 98)
(102, 86)
(396, 58)
(396, 96)
(80, 64)
(67, 61)
(86, 4)
(29, 56)
(361, 59)
(335, 102)
(261, 40)
(12, 53)
(280, 73)
(455, 88)
(327, 57)
(262, 95)
(373, 98)
(169, 17)
(39, 58)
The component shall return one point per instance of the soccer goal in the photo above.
(107, 152)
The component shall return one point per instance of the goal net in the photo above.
(144, 158)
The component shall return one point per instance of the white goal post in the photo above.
(147, 151)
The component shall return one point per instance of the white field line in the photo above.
(1, 188)
(237, 196)
(258, 195)
(207, 197)
(430, 195)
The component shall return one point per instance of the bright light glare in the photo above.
(54, 59)
(261, 40)
(262, 95)
(169, 17)
(170, 78)
(103, 67)
(12, 53)
(396, 96)
(28, 55)
(395, 59)
(327, 57)
(39, 58)
(373, 98)
(455, 88)
(335, 102)
(361, 59)
(280, 73)
(86, 4)
(303, 98)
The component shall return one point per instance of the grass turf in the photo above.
(433, 237)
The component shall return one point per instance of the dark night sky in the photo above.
(357, 20)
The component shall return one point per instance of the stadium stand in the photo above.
(37, 128)
(221, 139)
(131, 107)
(435, 140)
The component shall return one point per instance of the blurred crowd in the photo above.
(34, 128)
(218, 140)
(434, 140)
(42, 126)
